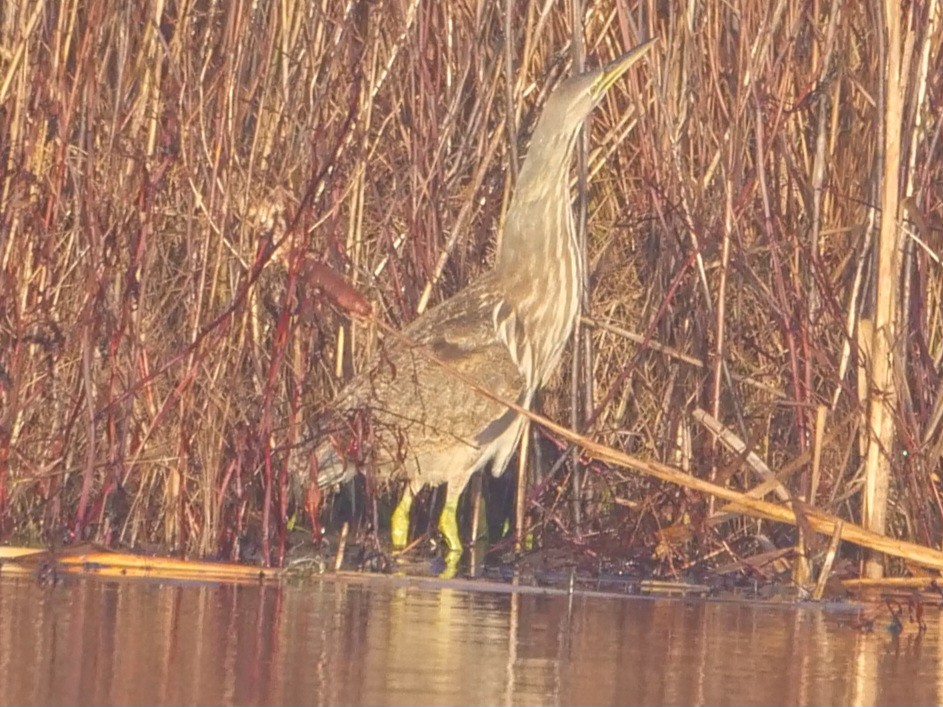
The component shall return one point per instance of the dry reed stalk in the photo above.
(581, 361)
(817, 444)
(520, 505)
(884, 350)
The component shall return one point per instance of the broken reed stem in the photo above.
(801, 571)
(830, 556)
(341, 547)
(104, 562)
(730, 440)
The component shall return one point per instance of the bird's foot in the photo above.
(399, 521)
(448, 525)
(450, 564)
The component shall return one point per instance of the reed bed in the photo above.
(170, 170)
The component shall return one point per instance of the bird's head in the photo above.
(575, 98)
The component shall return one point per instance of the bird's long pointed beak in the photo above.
(610, 74)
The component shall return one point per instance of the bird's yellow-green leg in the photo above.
(448, 523)
(399, 521)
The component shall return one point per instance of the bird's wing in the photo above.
(406, 388)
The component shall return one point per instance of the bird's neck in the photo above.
(537, 233)
(539, 261)
(536, 224)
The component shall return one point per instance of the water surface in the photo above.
(389, 641)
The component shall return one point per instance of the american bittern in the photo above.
(506, 331)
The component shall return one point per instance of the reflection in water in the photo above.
(394, 642)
